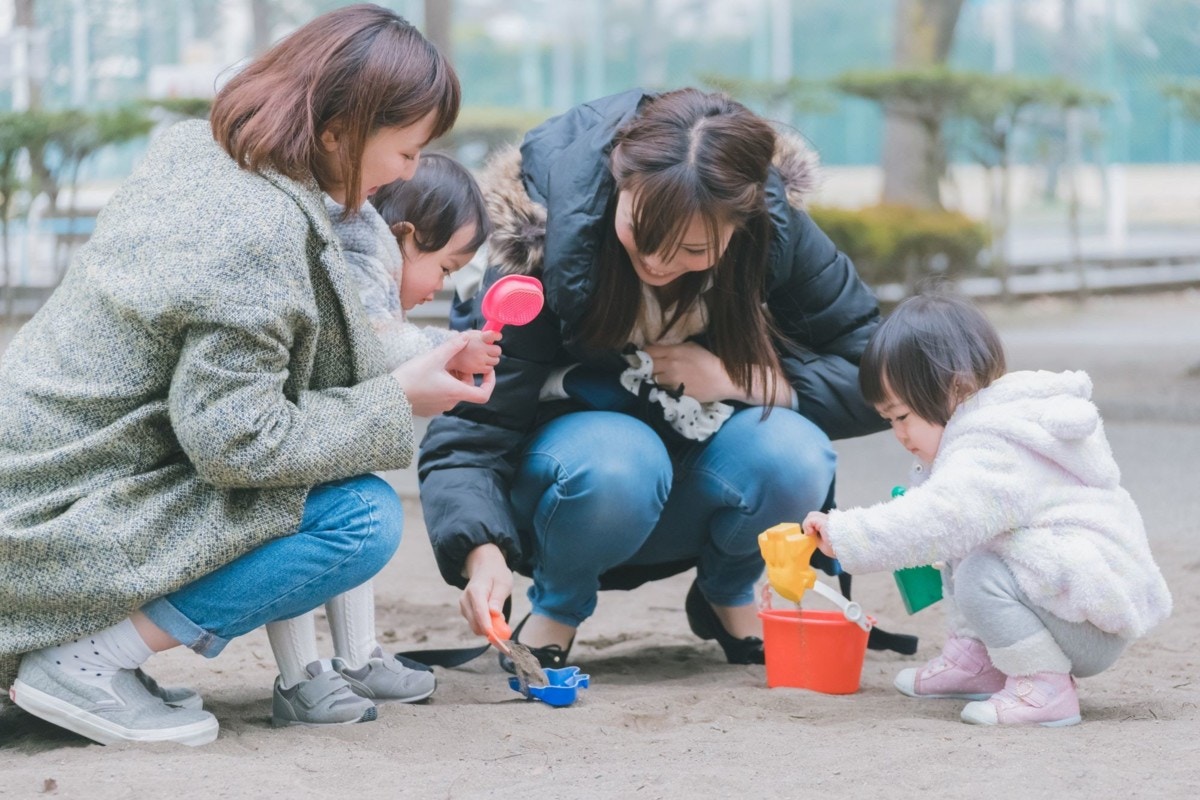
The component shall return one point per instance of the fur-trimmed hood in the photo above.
(518, 240)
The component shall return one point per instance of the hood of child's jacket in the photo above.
(1048, 413)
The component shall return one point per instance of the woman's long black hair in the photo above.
(690, 154)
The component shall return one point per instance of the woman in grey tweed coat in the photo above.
(188, 424)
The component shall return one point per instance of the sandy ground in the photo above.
(666, 717)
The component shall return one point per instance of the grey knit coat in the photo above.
(204, 363)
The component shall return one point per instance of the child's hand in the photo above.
(480, 355)
(433, 388)
(814, 525)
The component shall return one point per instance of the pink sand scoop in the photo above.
(512, 300)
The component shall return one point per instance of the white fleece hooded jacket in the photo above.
(1024, 469)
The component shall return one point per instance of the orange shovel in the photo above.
(500, 633)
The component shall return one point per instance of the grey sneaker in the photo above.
(384, 679)
(125, 713)
(324, 699)
(174, 696)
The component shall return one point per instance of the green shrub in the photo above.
(899, 244)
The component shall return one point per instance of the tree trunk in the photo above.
(24, 18)
(912, 158)
(1000, 229)
(1073, 124)
(439, 19)
(262, 16)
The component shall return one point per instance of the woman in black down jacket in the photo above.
(678, 393)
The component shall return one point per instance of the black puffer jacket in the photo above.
(547, 205)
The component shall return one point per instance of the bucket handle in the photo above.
(851, 610)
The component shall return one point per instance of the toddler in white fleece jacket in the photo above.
(1048, 575)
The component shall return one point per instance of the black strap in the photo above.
(878, 638)
(453, 656)
(903, 643)
(448, 657)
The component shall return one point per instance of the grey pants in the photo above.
(1022, 638)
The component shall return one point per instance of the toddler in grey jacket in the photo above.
(400, 246)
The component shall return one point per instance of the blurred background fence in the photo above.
(1014, 146)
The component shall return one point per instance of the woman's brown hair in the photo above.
(358, 69)
(690, 154)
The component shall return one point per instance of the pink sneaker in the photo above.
(1044, 698)
(962, 671)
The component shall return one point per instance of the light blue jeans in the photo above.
(599, 489)
(349, 531)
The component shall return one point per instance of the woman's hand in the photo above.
(699, 371)
(704, 378)
(489, 583)
(814, 525)
(432, 388)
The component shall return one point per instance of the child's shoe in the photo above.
(1044, 698)
(962, 671)
(323, 699)
(383, 678)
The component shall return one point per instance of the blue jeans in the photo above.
(599, 489)
(349, 531)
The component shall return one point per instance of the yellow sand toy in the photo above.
(787, 550)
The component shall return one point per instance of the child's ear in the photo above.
(330, 137)
(402, 230)
(963, 389)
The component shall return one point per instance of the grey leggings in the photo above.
(1023, 638)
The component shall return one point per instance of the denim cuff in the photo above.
(172, 621)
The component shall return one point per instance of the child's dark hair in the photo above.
(932, 351)
(440, 198)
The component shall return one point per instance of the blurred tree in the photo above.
(60, 142)
(439, 18)
(1186, 94)
(15, 131)
(177, 108)
(922, 35)
(916, 103)
(802, 95)
(262, 18)
(24, 21)
(994, 106)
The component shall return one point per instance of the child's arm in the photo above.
(980, 490)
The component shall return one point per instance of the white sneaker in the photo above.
(174, 696)
(124, 712)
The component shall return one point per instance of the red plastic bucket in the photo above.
(810, 649)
